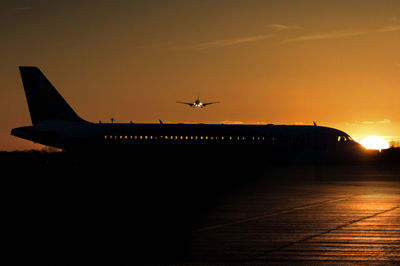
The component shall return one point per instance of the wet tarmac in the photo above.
(275, 214)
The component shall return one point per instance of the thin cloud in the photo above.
(380, 122)
(368, 122)
(389, 28)
(326, 36)
(341, 34)
(228, 42)
(280, 27)
(384, 121)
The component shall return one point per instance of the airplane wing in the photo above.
(190, 104)
(204, 104)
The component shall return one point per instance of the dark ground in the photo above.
(59, 207)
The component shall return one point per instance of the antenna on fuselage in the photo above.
(112, 120)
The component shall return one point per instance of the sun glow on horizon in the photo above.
(374, 143)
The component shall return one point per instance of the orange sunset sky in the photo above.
(283, 62)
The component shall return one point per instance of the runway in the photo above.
(341, 222)
(274, 214)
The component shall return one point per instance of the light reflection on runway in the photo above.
(353, 219)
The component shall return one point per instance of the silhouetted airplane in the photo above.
(56, 124)
(197, 103)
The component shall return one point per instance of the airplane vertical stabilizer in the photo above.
(44, 102)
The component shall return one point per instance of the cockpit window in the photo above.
(343, 138)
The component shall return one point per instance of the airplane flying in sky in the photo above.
(55, 123)
(197, 103)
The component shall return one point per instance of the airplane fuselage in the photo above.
(282, 140)
(197, 104)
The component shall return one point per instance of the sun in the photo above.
(375, 143)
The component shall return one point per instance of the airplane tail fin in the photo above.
(44, 102)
